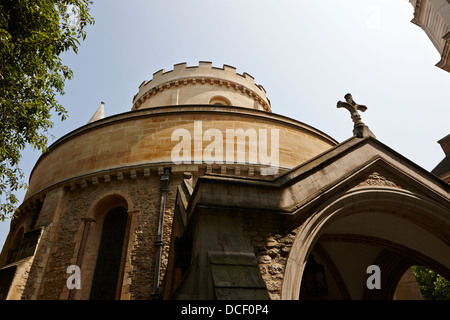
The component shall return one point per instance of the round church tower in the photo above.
(202, 84)
(101, 201)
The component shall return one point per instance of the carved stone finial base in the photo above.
(363, 131)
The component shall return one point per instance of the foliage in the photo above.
(33, 34)
(432, 285)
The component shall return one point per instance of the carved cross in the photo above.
(353, 108)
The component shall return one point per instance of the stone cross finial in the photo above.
(353, 108)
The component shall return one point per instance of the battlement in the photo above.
(205, 73)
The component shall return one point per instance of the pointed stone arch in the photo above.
(113, 211)
(421, 214)
(107, 274)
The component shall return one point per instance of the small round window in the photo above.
(220, 101)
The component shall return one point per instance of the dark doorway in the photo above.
(106, 275)
(6, 278)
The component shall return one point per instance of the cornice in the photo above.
(184, 110)
(200, 80)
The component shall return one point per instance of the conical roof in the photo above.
(99, 114)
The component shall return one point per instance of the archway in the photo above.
(15, 246)
(388, 227)
(103, 241)
(110, 255)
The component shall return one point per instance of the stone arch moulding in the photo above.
(108, 273)
(108, 200)
(15, 245)
(90, 231)
(220, 100)
(423, 212)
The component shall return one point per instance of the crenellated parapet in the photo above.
(202, 84)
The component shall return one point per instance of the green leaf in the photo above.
(33, 34)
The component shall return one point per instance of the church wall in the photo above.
(62, 218)
(271, 237)
(368, 180)
(148, 139)
(265, 235)
(38, 219)
(271, 242)
(197, 85)
(196, 94)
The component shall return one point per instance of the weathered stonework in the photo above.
(229, 230)
(271, 242)
(377, 180)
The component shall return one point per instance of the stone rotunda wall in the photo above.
(202, 84)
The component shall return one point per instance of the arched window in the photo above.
(220, 101)
(14, 248)
(109, 258)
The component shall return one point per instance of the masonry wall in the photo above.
(118, 161)
(44, 275)
(145, 137)
(272, 244)
(198, 85)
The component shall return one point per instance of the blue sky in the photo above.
(306, 54)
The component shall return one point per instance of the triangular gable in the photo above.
(361, 162)
(344, 166)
